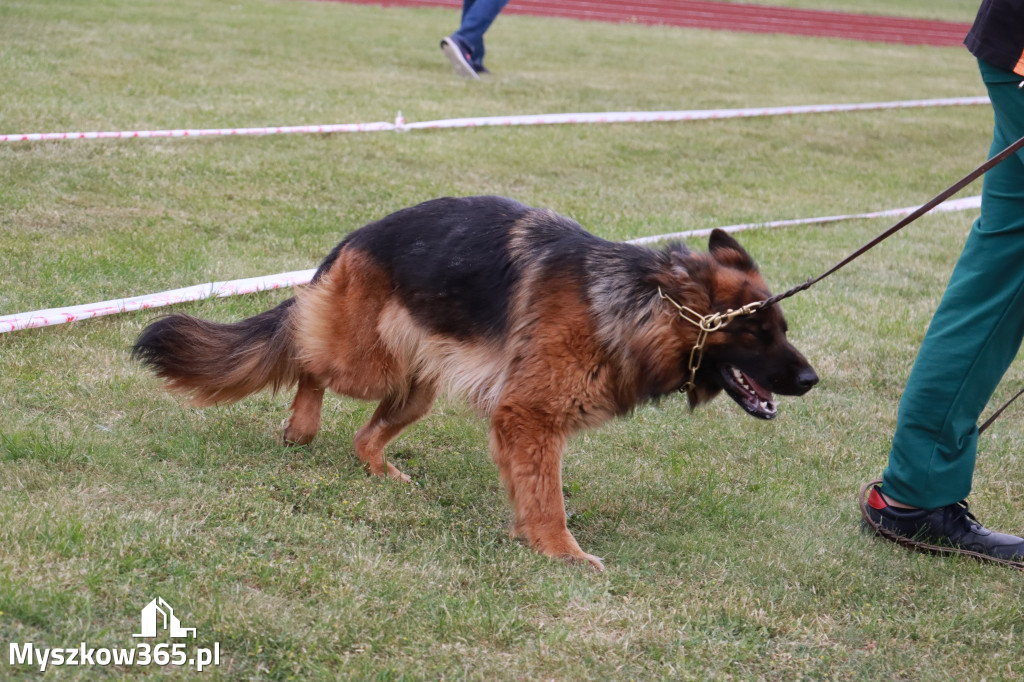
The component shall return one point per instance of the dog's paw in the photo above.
(294, 437)
(388, 470)
(594, 563)
(397, 474)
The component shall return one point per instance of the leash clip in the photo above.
(706, 324)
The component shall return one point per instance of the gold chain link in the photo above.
(712, 322)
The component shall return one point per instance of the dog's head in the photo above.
(749, 358)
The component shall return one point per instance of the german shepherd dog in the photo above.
(543, 327)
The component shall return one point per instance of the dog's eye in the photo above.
(753, 332)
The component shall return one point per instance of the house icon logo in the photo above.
(159, 612)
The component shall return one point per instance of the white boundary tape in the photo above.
(536, 119)
(964, 204)
(198, 292)
(209, 132)
(693, 115)
(54, 316)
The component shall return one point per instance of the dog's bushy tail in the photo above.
(220, 363)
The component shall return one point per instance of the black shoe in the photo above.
(459, 56)
(947, 530)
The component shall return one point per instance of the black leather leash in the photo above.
(920, 211)
(938, 199)
(995, 415)
(715, 321)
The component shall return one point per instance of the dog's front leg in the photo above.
(527, 447)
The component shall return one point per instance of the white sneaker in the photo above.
(459, 59)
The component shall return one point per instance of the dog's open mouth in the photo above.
(750, 395)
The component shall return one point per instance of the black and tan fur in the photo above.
(543, 327)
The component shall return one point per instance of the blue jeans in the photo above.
(975, 333)
(477, 16)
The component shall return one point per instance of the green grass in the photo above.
(732, 545)
(946, 10)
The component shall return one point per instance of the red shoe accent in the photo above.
(875, 500)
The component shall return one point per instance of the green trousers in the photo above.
(975, 332)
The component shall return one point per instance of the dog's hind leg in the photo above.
(391, 417)
(527, 447)
(304, 423)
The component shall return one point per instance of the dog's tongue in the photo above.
(759, 390)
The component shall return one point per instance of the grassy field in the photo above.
(946, 10)
(732, 545)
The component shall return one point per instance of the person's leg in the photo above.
(477, 17)
(974, 335)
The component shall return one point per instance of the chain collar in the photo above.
(712, 322)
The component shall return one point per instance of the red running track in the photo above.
(730, 16)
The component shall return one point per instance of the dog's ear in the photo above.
(680, 258)
(728, 251)
(684, 274)
(677, 266)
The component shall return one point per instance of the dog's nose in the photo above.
(806, 379)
